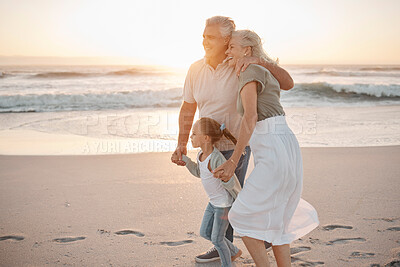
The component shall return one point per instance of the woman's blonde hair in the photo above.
(213, 129)
(251, 39)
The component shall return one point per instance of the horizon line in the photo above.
(128, 60)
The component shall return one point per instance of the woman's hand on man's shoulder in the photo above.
(243, 63)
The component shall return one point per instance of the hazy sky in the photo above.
(169, 32)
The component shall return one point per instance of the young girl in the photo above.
(221, 193)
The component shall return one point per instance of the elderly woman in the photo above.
(269, 207)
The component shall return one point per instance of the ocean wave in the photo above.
(90, 101)
(352, 73)
(303, 94)
(62, 75)
(124, 72)
(381, 69)
(4, 74)
(368, 91)
(135, 72)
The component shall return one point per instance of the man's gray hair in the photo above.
(226, 25)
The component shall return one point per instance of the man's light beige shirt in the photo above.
(215, 92)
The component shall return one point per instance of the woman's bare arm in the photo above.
(283, 77)
(249, 120)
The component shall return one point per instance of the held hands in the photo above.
(243, 63)
(225, 171)
(176, 157)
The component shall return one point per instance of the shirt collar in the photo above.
(224, 62)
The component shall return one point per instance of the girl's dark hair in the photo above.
(212, 128)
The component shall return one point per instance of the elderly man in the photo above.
(211, 85)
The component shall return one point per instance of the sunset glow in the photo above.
(170, 32)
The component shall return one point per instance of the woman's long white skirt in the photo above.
(269, 207)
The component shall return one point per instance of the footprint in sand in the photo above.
(12, 237)
(314, 240)
(307, 263)
(361, 255)
(246, 261)
(177, 243)
(102, 231)
(382, 219)
(68, 239)
(335, 226)
(191, 234)
(298, 250)
(394, 263)
(390, 219)
(397, 228)
(345, 240)
(129, 232)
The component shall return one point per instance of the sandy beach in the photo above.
(91, 94)
(140, 210)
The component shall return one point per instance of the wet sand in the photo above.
(141, 210)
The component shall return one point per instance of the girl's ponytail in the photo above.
(229, 136)
(215, 130)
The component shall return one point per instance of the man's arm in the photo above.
(186, 115)
(283, 77)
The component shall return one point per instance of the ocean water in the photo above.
(142, 103)
(75, 88)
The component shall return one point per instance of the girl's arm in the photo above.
(191, 166)
(249, 120)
